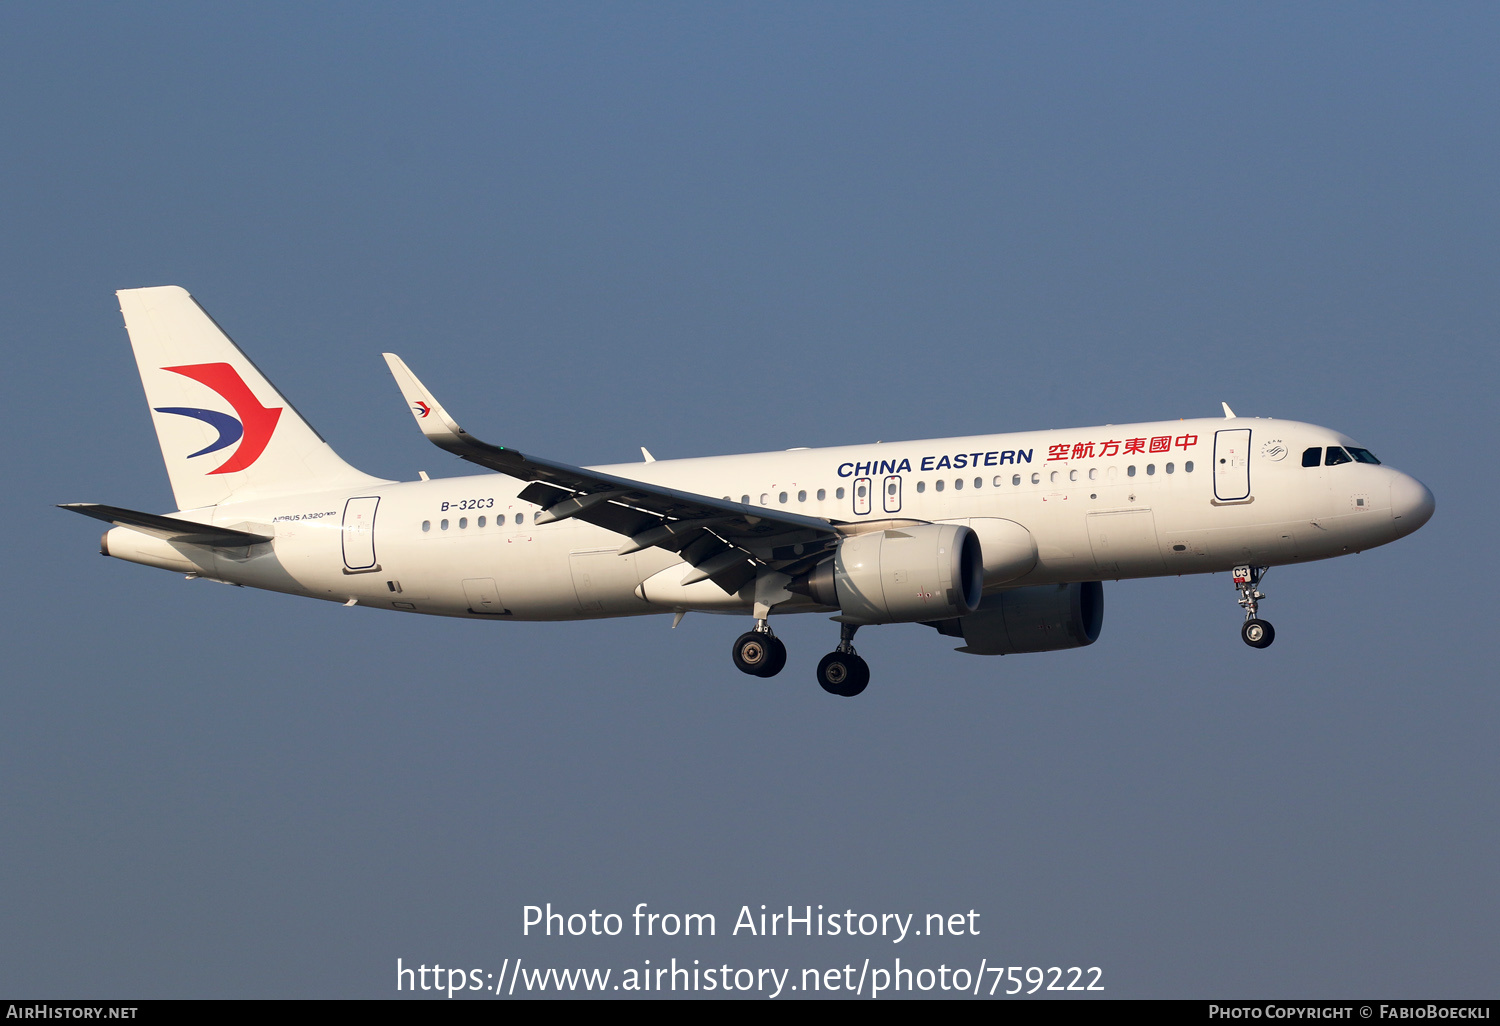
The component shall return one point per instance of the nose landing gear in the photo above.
(759, 652)
(842, 672)
(1257, 633)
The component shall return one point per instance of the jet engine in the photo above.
(901, 575)
(1043, 618)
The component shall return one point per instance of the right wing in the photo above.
(726, 542)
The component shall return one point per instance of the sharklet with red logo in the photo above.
(259, 421)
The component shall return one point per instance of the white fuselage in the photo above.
(1140, 500)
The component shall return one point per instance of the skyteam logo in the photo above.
(252, 430)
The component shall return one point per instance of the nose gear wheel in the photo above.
(1255, 632)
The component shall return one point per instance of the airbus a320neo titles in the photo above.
(998, 540)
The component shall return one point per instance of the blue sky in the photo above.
(724, 229)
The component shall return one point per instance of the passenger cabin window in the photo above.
(839, 494)
(921, 486)
(1363, 456)
(1312, 457)
(1336, 456)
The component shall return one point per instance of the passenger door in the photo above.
(1232, 465)
(359, 535)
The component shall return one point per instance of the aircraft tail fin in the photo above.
(226, 433)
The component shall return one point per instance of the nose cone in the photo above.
(1411, 503)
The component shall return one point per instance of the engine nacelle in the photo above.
(901, 575)
(1044, 618)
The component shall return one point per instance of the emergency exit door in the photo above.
(892, 494)
(1232, 465)
(862, 495)
(359, 535)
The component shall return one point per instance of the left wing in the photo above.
(726, 542)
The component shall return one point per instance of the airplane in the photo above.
(1001, 541)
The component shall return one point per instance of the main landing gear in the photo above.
(1257, 633)
(841, 672)
(759, 652)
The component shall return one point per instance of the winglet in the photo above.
(1228, 413)
(429, 414)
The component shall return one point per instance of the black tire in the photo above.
(843, 675)
(778, 657)
(1258, 633)
(759, 654)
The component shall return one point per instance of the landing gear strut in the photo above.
(759, 652)
(842, 672)
(1257, 633)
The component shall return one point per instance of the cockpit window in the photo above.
(1336, 455)
(1363, 455)
(1312, 457)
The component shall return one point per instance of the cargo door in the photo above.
(359, 535)
(1232, 465)
(1125, 543)
(582, 566)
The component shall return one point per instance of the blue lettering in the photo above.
(1007, 457)
(861, 468)
(887, 466)
(1023, 455)
(904, 468)
(927, 463)
(960, 461)
(942, 463)
(989, 458)
(846, 470)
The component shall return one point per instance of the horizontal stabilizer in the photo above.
(168, 528)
